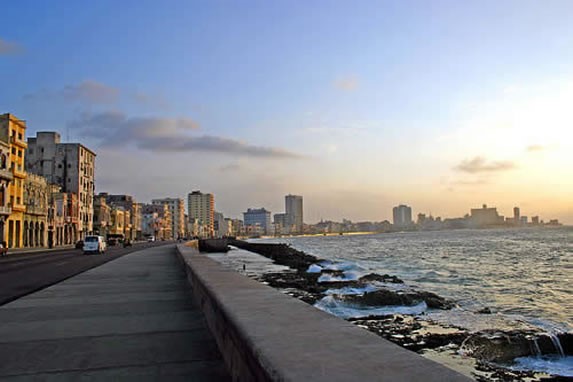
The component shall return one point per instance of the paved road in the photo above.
(132, 319)
(22, 274)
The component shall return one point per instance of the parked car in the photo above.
(150, 239)
(94, 244)
(80, 244)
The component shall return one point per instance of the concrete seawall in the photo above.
(264, 334)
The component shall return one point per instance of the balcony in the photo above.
(6, 173)
(18, 171)
(18, 142)
(5, 210)
(36, 210)
(18, 207)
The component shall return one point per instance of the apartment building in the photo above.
(69, 165)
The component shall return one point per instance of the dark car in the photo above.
(80, 244)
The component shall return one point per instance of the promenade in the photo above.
(131, 318)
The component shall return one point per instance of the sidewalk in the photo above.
(131, 318)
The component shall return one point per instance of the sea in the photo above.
(524, 276)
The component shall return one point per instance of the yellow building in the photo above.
(16, 129)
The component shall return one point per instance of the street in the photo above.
(21, 274)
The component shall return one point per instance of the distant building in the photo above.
(202, 210)
(132, 226)
(294, 212)
(258, 221)
(69, 165)
(535, 220)
(402, 215)
(281, 223)
(483, 217)
(516, 214)
(177, 208)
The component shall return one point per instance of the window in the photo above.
(20, 136)
(20, 153)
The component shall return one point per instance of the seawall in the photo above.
(265, 335)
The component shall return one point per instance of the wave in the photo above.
(341, 309)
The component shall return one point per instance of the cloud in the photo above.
(90, 92)
(533, 148)
(232, 167)
(8, 48)
(481, 165)
(347, 83)
(167, 135)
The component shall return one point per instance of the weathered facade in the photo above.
(15, 129)
(70, 165)
(6, 177)
(36, 199)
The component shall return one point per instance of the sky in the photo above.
(358, 106)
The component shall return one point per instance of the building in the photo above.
(201, 209)
(69, 165)
(294, 212)
(6, 176)
(483, 217)
(156, 221)
(36, 199)
(257, 221)
(177, 209)
(281, 222)
(15, 129)
(402, 216)
(129, 205)
(102, 215)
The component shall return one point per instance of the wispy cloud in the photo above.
(348, 84)
(91, 92)
(88, 91)
(8, 48)
(232, 167)
(481, 165)
(167, 135)
(534, 148)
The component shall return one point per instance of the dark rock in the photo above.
(498, 346)
(485, 310)
(382, 278)
(385, 297)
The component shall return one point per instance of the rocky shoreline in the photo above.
(484, 352)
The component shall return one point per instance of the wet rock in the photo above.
(382, 278)
(498, 346)
(485, 310)
(384, 297)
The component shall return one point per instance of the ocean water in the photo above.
(525, 275)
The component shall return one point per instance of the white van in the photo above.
(94, 244)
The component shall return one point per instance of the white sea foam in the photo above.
(346, 276)
(341, 309)
(553, 364)
(314, 269)
(352, 290)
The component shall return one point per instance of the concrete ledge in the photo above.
(264, 334)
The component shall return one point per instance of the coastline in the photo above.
(487, 353)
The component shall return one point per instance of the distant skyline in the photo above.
(441, 105)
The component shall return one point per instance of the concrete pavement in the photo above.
(131, 318)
